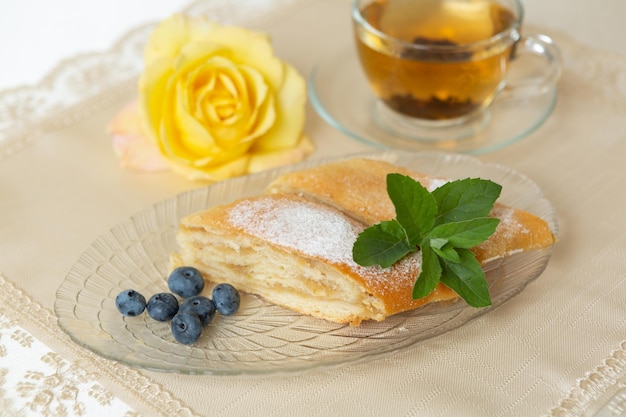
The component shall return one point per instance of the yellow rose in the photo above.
(217, 102)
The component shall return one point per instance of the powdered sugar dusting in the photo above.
(320, 232)
(302, 226)
(508, 221)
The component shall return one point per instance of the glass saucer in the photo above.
(339, 93)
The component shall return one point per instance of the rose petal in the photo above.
(133, 149)
(171, 35)
(290, 114)
(252, 48)
(266, 160)
(137, 153)
(153, 84)
(230, 169)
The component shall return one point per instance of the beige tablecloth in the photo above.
(558, 348)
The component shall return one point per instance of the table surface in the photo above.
(558, 348)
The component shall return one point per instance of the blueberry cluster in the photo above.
(187, 318)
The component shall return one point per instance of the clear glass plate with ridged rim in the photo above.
(262, 338)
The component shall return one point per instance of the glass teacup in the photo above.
(437, 65)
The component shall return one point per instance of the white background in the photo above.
(36, 34)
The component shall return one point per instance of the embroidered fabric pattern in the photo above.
(66, 389)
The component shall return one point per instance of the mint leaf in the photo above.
(429, 275)
(465, 199)
(415, 206)
(465, 234)
(438, 242)
(447, 252)
(467, 279)
(444, 225)
(383, 244)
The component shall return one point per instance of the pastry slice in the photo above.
(358, 187)
(297, 253)
(293, 246)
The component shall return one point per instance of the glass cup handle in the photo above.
(535, 68)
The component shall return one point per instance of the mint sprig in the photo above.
(444, 225)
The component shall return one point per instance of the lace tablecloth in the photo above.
(558, 348)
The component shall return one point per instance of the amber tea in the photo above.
(434, 73)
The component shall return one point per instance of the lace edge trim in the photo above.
(594, 385)
(19, 307)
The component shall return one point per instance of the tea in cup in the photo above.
(437, 65)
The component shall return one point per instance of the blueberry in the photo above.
(200, 305)
(186, 327)
(162, 306)
(186, 281)
(226, 299)
(130, 303)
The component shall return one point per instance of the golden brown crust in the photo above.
(358, 188)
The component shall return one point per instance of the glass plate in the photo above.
(262, 338)
(340, 95)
